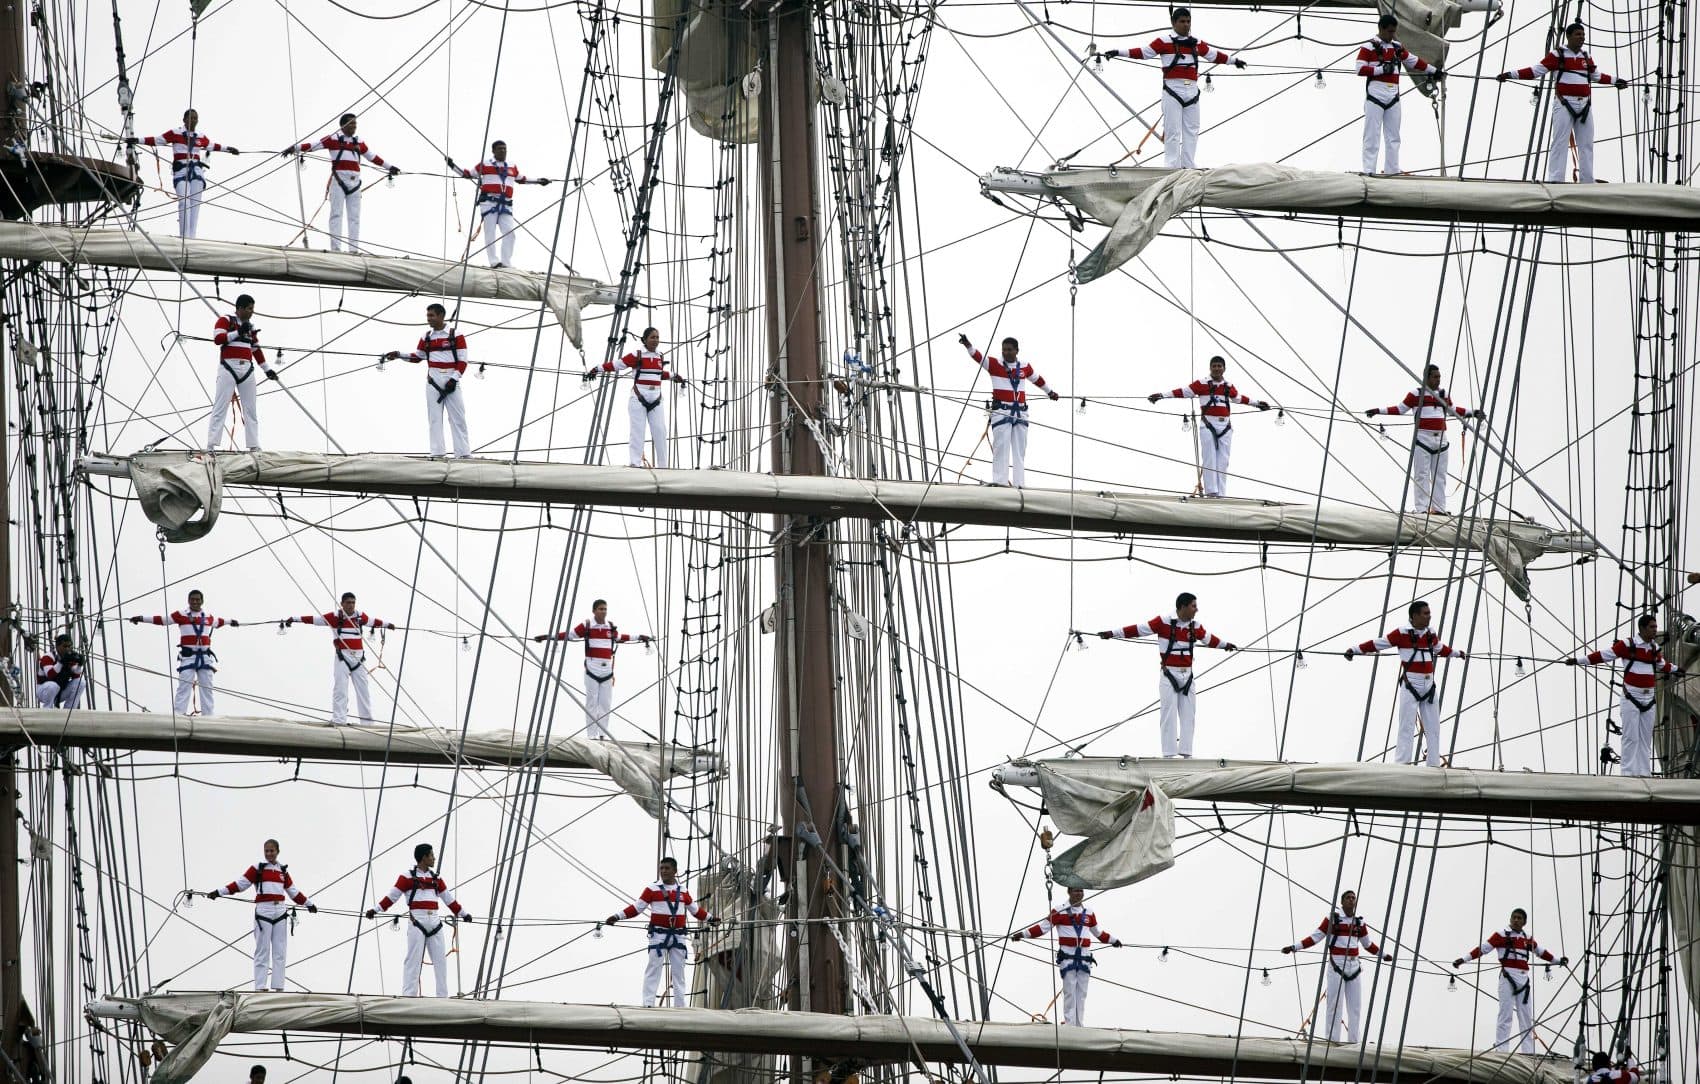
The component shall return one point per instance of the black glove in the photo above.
(963, 339)
(714, 920)
(1116, 943)
(677, 379)
(131, 141)
(1439, 75)
(1230, 647)
(1621, 83)
(213, 895)
(1502, 77)
(312, 908)
(450, 162)
(543, 181)
(1238, 63)
(1154, 396)
(1564, 961)
(135, 620)
(72, 658)
(1350, 653)
(371, 912)
(646, 639)
(1459, 962)
(288, 621)
(234, 624)
(1015, 937)
(540, 637)
(1372, 412)
(271, 374)
(1106, 635)
(449, 388)
(1388, 957)
(1261, 405)
(1479, 415)
(1570, 662)
(1054, 396)
(1286, 950)
(611, 919)
(395, 171)
(468, 919)
(232, 150)
(590, 374)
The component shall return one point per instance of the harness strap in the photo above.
(420, 926)
(241, 379)
(1422, 697)
(647, 405)
(1368, 97)
(598, 678)
(1214, 434)
(1170, 91)
(1580, 116)
(1643, 708)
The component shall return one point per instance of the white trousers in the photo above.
(1637, 736)
(1074, 997)
(1213, 452)
(345, 215)
(1180, 123)
(417, 946)
(1410, 710)
(1009, 449)
(1177, 713)
(1516, 999)
(499, 231)
(1428, 472)
(673, 960)
(1565, 126)
(454, 405)
(245, 393)
(598, 697)
(655, 421)
(49, 695)
(189, 190)
(1342, 995)
(1381, 127)
(342, 676)
(271, 946)
(191, 679)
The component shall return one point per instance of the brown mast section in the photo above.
(809, 791)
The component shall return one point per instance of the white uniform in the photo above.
(600, 640)
(670, 908)
(1379, 61)
(273, 889)
(1077, 928)
(345, 185)
(188, 172)
(1432, 407)
(496, 180)
(1643, 663)
(57, 684)
(1180, 57)
(1516, 995)
(1007, 415)
(240, 362)
(1572, 109)
(1344, 934)
(427, 896)
(1216, 435)
(1175, 692)
(348, 649)
(1418, 694)
(646, 411)
(195, 657)
(444, 355)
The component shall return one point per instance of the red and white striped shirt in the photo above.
(49, 668)
(1379, 61)
(1343, 935)
(1418, 649)
(669, 906)
(235, 345)
(651, 369)
(346, 152)
(186, 147)
(195, 628)
(1432, 406)
(1514, 949)
(599, 639)
(1076, 927)
(495, 179)
(444, 349)
(345, 628)
(1645, 661)
(1180, 56)
(1576, 72)
(1181, 636)
(1629, 1074)
(271, 884)
(425, 891)
(1007, 379)
(1217, 395)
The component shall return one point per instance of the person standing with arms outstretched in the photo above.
(346, 151)
(348, 625)
(1572, 102)
(646, 411)
(1345, 934)
(1514, 945)
(443, 350)
(671, 907)
(1007, 409)
(274, 890)
(1643, 662)
(427, 896)
(601, 640)
(195, 656)
(1216, 441)
(1181, 635)
(1419, 646)
(189, 148)
(1379, 62)
(1180, 54)
(1433, 408)
(496, 177)
(1076, 926)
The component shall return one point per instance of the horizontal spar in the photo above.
(176, 487)
(197, 1022)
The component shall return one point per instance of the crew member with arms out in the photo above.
(646, 411)
(195, 656)
(670, 906)
(1379, 61)
(346, 151)
(1181, 635)
(496, 177)
(1643, 662)
(274, 889)
(1216, 439)
(1345, 934)
(1514, 945)
(239, 353)
(1432, 407)
(348, 648)
(188, 167)
(427, 894)
(1418, 645)
(59, 675)
(601, 639)
(443, 350)
(1076, 926)
(1180, 54)
(1007, 409)
(1572, 102)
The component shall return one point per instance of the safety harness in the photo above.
(417, 882)
(1388, 54)
(671, 938)
(1423, 642)
(1435, 398)
(443, 390)
(1184, 48)
(241, 333)
(259, 886)
(498, 203)
(340, 147)
(345, 621)
(190, 167)
(1578, 116)
(1639, 654)
(1169, 649)
(613, 646)
(1217, 395)
(1078, 959)
(1353, 928)
(198, 656)
(1013, 412)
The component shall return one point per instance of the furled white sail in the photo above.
(176, 487)
(565, 294)
(1137, 203)
(639, 769)
(197, 1022)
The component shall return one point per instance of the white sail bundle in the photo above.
(197, 1022)
(640, 769)
(1137, 203)
(180, 492)
(1108, 800)
(564, 294)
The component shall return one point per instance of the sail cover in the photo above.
(640, 769)
(564, 294)
(1137, 203)
(719, 46)
(1100, 798)
(197, 479)
(197, 1022)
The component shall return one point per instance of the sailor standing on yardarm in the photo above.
(427, 896)
(646, 411)
(188, 167)
(1572, 102)
(346, 151)
(1345, 934)
(1418, 645)
(1379, 61)
(1076, 926)
(348, 649)
(1643, 662)
(670, 906)
(239, 360)
(1007, 409)
(443, 350)
(195, 658)
(1180, 53)
(1432, 407)
(1216, 436)
(274, 889)
(496, 177)
(1514, 945)
(1181, 634)
(601, 640)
